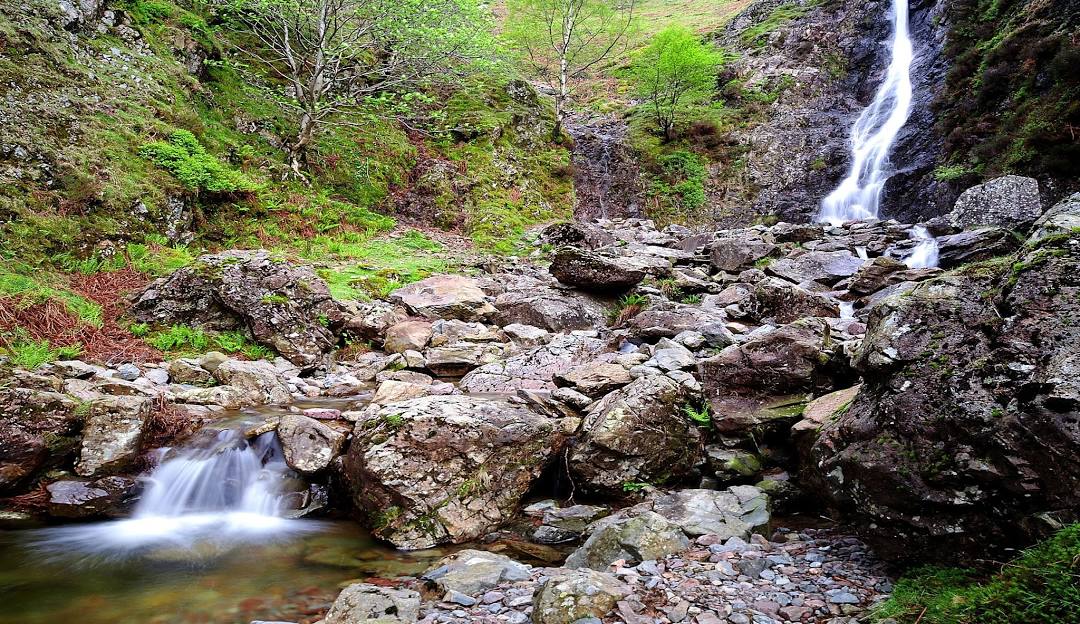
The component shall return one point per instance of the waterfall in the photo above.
(925, 253)
(859, 194)
(225, 491)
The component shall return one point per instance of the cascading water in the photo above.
(223, 492)
(925, 253)
(859, 194)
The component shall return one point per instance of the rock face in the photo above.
(1063, 218)
(1009, 201)
(445, 297)
(284, 306)
(592, 271)
(309, 445)
(362, 603)
(114, 429)
(447, 469)
(636, 434)
(824, 267)
(534, 369)
(963, 437)
(37, 427)
(577, 596)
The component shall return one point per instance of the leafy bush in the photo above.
(29, 354)
(186, 158)
(627, 307)
(681, 184)
(1042, 585)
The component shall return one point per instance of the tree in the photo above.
(564, 39)
(675, 70)
(334, 56)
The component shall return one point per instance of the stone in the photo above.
(533, 369)
(128, 372)
(445, 297)
(823, 410)
(458, 359)
(113, 432)
(574, 518)
(105, 497)
(1062, 219)
(875, 275)
(391, 391)
(407, 336)
(734, 512)
(454, 331)
(527, 335)
(592, 271)
(473, 572)
(635, 434)
(187, 371)
(260, 382)
(475, 456)
(732, 464)
(576, 595)
(825, 267)
(368, 321)
(572, 398)
(646, 536)
(672, 357)
(671, 321)
(549, 309)
(309, 445)
(735, 254)
(282, 305)
(362, 603)
(975, 246)
(594, 379)
(1009, 201)
(37, 429)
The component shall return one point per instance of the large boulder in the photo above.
(963, 439)
(473, 572)
(638, 433)
(1061, 220)
(407, 336)
(1009, 201)
(308, 445)
(447, 469)
(735, 254)
(282, 305)
(975, 246)
(645, 535)
(108, 496)
(550, 309)
(445, 297)
(577, 596)
(112, 435)
(784, 302)
(258, 381)
(37, 428)
(594, 379)
(593, 271)
(766, 379)
(674, 319)
(734, 512)
(534, 369)
(363, 603)
(824, 267)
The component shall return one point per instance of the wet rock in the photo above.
(735, 254)
(974, 246)
(875, 275)
(110, 496)
(534, 369)
(645, 536)
(260, 382)
(113, 432)
(732, 464)
(576, 595)
(1009, 201)
(309, 445)
(1062, 219)
(592, 271)
(825, 267)
(284, 306)
(445, 297)
(594, 379)
(407, 336)
(636, 434)
(474, 457)
(37, 428)
(362, 603)
(473, 572)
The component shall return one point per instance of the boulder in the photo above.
(38, 428)
(527, 335)
(458, 359)
(282, 305)
(362, 603)
(445, 332)
(824, 267)
(577, 234)
(534, 369)
(577, 596)
(784, 302)
(675, 319)
(308, 445)
(447, 469)
(407, 336)
(1062, 219)
(109, 496)
(1009, 201)
(730, 465)
(550, 309)
(594, 379)
(644, 536)
(473, 572)
(764, 380)
(735, 254)
(733, 512)
(368, 321)
(391, 391)
(636, 434)
(258, 380)
(188, 371)
(975, 246)
(445, 297)
(113, 432)
(875, 275)
(592, 271)
(963, 440)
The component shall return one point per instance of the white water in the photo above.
(215, 496)
(859, 194)
(847, 310)
(925, 254)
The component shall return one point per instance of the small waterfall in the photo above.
(859, 194)
(226, 491)
(925, 254)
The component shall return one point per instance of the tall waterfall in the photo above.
(858, 195)
(223, 491)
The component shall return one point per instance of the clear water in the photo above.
(859, 194)
(925, 253)
(293, 577)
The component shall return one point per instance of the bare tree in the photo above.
(564, 39)
(332, 55)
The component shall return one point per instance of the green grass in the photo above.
(186, 158)
(24, 352)
(180, 340)
(1042, 585)
(376, 267)
(29, 286)
(757, 35)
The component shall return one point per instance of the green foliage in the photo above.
(699, 415)
(758, 34)
(28, 286)
(27, 353)
(633, 487)
(947, 173)
(680, 187)
(182, 339)
(1042, 585)
(676, 70)
(139, 330)
(187, 159)
(375, 268)
(627, 307)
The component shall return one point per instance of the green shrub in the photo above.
(680, 187)
(25, 352)
(699, 415)
(184, 157)
(1042, 585)
(180, 338)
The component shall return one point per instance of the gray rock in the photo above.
(473, 572)
(37, 427)
(593, 271)
(1009, 201)
(109, 496)
(407, 336)
(113, 432)
(737, 253)
(534, 369)
(645, 536)
(259, 380)
(362, 603)
(594, 379)
(826, 267)
(309, 445)
(576, 595)
(128, 372)
(1062, 218)
(527, 335)
(445, 297)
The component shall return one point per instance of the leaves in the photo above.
(675, 70)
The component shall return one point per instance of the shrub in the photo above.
(184, 157)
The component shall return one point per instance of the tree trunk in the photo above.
(298, 151)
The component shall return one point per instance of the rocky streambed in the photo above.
(642, 400)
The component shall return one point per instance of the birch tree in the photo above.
(327, 58)
(564, 39)
(675, 70)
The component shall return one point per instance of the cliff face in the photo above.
(823, 62)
